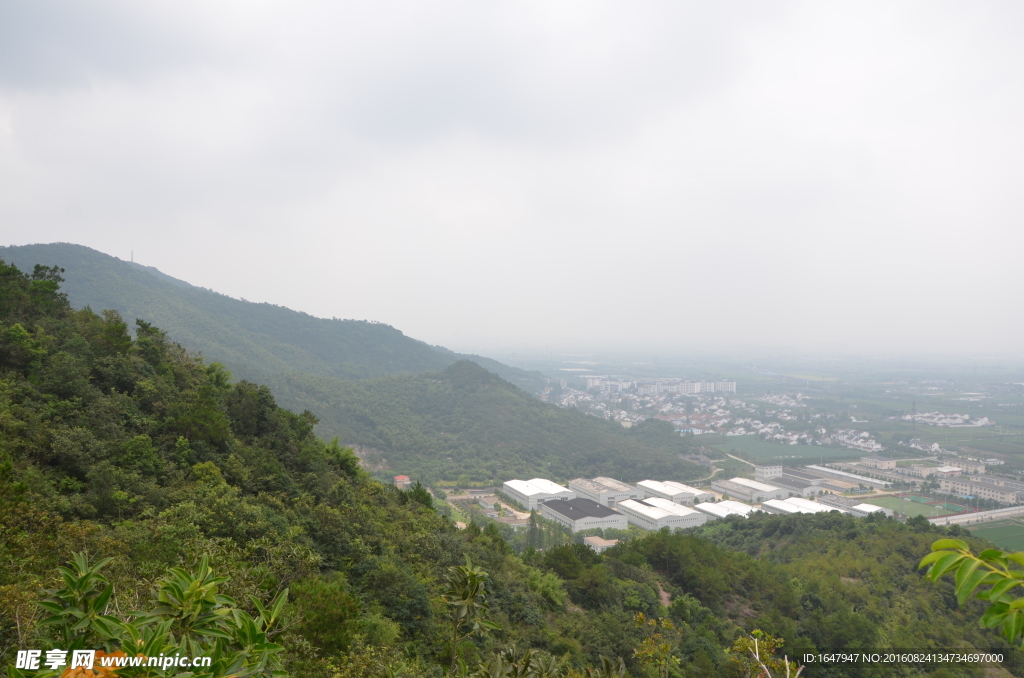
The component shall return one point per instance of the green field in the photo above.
(755, 449)
(1006, 534)
(910, 508)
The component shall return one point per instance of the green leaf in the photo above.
(945, 564)
(950, 544)
(1012, 626)
(968, 578)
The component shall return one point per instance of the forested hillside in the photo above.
(255, 341)
(468, 421)
(135, 450)
(489, 429)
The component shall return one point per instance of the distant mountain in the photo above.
(255, 341)
(411, 407)
(466, 420)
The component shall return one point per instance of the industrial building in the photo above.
(763, 473)
(780, 507)
(649, 517)
(724, 509)
(581, 513)
(876, 462)
(801, 488)
(692, 518)
(796, 505)
(802, 475)
(838, 485)
(748, 490)
(848, 477)
(530, 493)
(605, 491)
(673, 491)
(853, 506)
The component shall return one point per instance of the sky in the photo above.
(492, 176)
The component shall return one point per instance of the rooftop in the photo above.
(652, 512)
(754, 485)
(590, 485)
(784, 506)
(724, 509)
(795, 473)
(527, 488)
(669, 505)
(574, 509)
(598, 541)
(684, 488)
(791, 482)
(613, 484)
(547, 485)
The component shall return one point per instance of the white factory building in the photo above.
(796, 505)
(583, 514)
(673, 491)
(692, 518)
(530, 493)
(749, 490)
(724, 509)
(764, 472)
(605, 491)
(649, 517)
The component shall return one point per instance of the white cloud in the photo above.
(601, 175)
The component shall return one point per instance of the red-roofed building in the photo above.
(402, 482)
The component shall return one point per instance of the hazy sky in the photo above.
(586, 175)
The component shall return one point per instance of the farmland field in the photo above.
(911, 508)
(1006, 534)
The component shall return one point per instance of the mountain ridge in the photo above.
(253, 339)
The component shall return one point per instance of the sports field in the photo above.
(1006, 534)
(910, 508)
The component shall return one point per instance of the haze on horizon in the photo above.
(587, 175)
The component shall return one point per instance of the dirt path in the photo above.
(664, 596)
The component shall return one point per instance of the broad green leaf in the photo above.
(949, 544)
(968, 578)
(945, 564)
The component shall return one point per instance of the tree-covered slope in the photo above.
(255, 341)
(466, 420)
(133, 449)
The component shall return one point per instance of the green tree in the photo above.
(466, 595)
